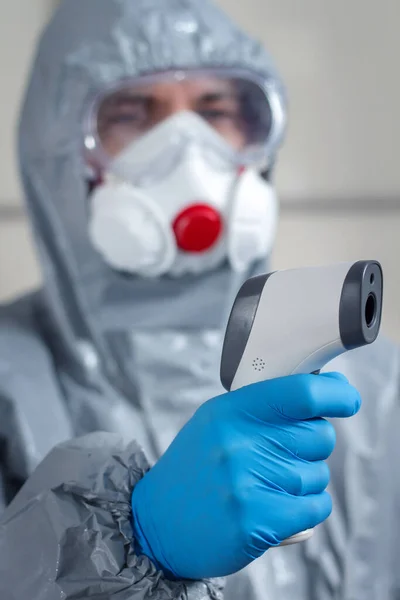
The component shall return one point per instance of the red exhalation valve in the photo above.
(197, 228)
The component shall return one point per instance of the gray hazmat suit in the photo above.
(94, 351)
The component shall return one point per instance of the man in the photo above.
(147, 139)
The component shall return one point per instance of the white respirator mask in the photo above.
(172, 202)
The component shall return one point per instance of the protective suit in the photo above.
(96, 350)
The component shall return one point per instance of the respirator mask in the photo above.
(183, 193)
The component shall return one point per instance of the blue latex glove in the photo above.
(245, 473)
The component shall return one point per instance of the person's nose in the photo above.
(178, 102)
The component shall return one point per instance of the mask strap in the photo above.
(94, 178)
(268, 173)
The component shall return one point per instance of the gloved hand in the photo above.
(245, 473)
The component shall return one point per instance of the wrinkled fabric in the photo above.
(97, 351)
(78, 501)
(350, 557)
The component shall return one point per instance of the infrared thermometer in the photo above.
(296, 321)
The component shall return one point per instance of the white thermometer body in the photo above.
(296, 321)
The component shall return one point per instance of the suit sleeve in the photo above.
(67, 534)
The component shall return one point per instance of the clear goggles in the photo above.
(244, 110)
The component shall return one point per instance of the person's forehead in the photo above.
(195, 86)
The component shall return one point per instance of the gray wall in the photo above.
(338, 175)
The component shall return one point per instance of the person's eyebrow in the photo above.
(216, 96)
(134, 98)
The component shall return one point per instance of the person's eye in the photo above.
(214, 114)
(219, 110)
(122, 118)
